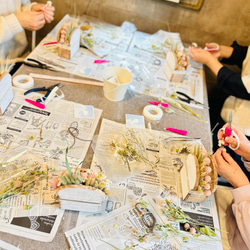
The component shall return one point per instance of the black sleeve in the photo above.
(231, 83)
(238, 55)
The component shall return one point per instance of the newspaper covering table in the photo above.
(46, 132)
(129, 187)
(141, 53)
(29, 134)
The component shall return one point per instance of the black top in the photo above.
(229, 81)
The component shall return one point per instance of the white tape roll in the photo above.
(23, 81)
(152, 113)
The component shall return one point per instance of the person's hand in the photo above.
(229, 169)
(244, 148)
(205, 57)
(200, 55)
(222, 52)
(48, 11)
(216, 53)
(31, 20)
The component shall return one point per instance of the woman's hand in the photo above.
(205, 57)
(229, 169)
(200, 55)
(222, 52)
(31, 20)
(48, 11)
(244, 148)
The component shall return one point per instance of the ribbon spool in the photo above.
(23, 81)
(152, 113)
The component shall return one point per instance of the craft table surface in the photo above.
(132, 104)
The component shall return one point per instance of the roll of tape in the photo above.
(152, 113)
(23, 81)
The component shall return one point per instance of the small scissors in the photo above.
(49, 89)
(38, 64)
(188, 99)
(228, 132)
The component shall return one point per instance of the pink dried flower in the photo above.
(208, 178)
(207, 192)
(84, 175)
(192, 230)
(186, 226)
(207, 161)
(91, 175)
(54, 182)
(208, 170)
(36, 178)
(18, 184)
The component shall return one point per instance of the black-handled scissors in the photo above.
(37, 64)
(185, 98)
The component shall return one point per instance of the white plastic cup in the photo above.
(116, 90)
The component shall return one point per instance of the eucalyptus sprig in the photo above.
(175, 213)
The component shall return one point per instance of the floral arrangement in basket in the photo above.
(80, 176)
(81, 189)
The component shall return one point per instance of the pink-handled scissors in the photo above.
(228, 132)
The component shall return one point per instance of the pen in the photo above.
(37, 104)
(178, 131)
(165, 105)
(50, 43)
(101, 61)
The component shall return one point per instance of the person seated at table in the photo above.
(232, 89)
(16, 17)
(239, 212)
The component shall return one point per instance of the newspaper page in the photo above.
(160, 183)
(37, 214)
(117, 230)
(46, 132)
(40, 228)
(30, 134)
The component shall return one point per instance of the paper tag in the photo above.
(135, 121)
(113, 79)
(84, 111)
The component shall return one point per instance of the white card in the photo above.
(84, 111)
(135, 121)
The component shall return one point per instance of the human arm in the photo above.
(228, 81)
(241, 211)
(229, 169)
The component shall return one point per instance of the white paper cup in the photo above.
(116, 90)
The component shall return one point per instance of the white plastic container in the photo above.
(116, 81)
